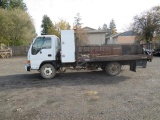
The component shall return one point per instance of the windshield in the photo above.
(41, 43)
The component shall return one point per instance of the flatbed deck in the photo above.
(111, 53)
(115, 58)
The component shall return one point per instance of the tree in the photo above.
(62, 25)
(13, 4)
(147, 24)
(16, 27)
(112, 27)
(82, 37)
(15, 23)
(77, 20)
(105, 27)
(99, 28)
(53, 29)
(48, 27)
(18, 4)
(23, 29)
(81, 34)
(4, 4)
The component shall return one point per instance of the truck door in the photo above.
(42, 50)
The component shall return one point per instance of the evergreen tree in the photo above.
(53, 29)
(112, 27)
(105, 27)
(78, 20)
(47, 26)
(13, 4)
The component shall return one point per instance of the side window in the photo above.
(47, 44)
(41, 43)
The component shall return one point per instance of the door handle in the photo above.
(49, 55)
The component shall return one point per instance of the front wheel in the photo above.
(113, 68)
(47, 71)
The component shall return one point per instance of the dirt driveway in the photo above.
(81, 95)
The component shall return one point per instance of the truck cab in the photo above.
(44, 48)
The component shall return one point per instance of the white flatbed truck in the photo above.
(48, 55)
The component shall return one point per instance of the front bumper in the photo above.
(27, 67)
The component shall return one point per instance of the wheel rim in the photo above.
(114, 69)
(48, 71)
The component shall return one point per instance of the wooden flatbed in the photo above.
(111, 53)
(114, 58)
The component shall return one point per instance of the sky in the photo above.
(94, 13)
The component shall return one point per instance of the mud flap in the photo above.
(141, 63)
(133, 66)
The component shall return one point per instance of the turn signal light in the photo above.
(74, 28)
(28, 61)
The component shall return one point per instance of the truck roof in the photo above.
(47, 36)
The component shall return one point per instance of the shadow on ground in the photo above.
(61, 79)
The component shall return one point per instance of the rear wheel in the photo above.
(47, 71)
(113, 68)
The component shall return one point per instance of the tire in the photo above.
(113, 68)
(103, 69)
(47, 71)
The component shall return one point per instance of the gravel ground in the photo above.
(81, 95)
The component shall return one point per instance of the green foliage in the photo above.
(16, 27)
(147, 24)
(4, 4)
(15, 24)
(62, 25)
(13, 4)
(48, 28)
(18, 4)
